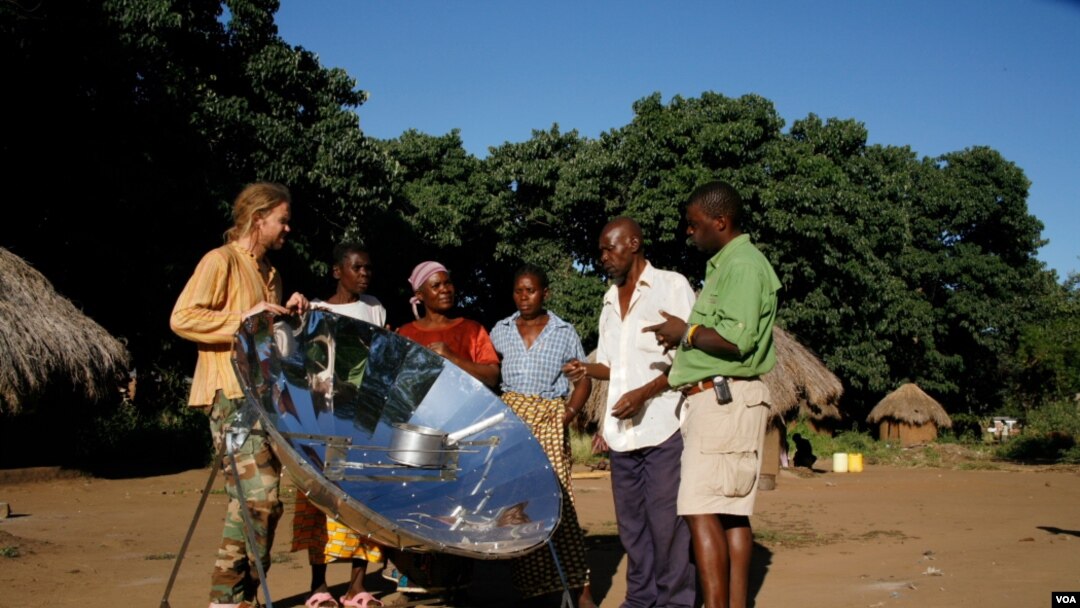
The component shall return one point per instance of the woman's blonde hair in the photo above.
(255, 202)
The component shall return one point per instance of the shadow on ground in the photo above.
(490, 585)
(759, 569)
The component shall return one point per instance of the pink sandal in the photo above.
(360, 600)
(318, 599)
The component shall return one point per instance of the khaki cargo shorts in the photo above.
(722, 447)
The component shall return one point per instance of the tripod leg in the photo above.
(567, 601)
(249, 528)
(191, 529)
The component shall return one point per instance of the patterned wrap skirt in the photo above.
(535, 574)
(325, 539)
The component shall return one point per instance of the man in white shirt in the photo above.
(640, 424)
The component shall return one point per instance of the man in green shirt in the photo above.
(722, 350)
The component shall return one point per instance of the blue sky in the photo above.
(936, 76)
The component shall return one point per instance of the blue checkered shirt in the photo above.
(536, 370)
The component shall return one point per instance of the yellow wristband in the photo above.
(688, 339)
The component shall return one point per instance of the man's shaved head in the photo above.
(625, 225)
(622, 248)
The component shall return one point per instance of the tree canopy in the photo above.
(137, 121)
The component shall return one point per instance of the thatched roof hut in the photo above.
(800, 381)
(43, 336)
(909, 415)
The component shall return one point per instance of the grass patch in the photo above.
(773, 538)
(970, 457)
(1059, 417)
(160, 556)
(9, 551)
(850, 442)
(605, 528)
(1038, 447)
(1050, 435)
(581, 449)
(979, 465)
(931, 457)
(880, 534)
(949, 452)
(796, 538)
(281, 558)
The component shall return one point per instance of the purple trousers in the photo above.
(645, 485)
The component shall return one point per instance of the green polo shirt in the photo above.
(738, 300)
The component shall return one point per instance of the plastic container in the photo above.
(855, 463)
(840, 462)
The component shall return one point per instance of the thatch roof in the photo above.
(910, 405)
(44, 336)
(799, 380)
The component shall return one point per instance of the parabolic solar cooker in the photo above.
(394, 441)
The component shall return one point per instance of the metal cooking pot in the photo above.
(421, 446)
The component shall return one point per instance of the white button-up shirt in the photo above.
(635, 358)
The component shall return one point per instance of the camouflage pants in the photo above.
(235, 577)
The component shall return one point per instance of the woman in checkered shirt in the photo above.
(534, 344)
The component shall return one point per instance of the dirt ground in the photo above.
(987, 536)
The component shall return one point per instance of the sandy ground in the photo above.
(885, 537)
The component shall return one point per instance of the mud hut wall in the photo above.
(821, 426)
(770, 457)
(907, 434)
(888, 430)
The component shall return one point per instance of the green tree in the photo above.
(442, 214)
(532, 188)
(556, 191)
(153, 113)
(172, 106)
(137, 122)
(896, 269)
(972, 258)
(667, 150)
(1045, 366)
(830, 236)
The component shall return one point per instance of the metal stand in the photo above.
(191, 529)
(567, 601)
(235, 438)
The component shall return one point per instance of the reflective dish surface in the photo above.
(393, 440)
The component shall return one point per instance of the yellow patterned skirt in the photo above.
(325, 539)
(536, 574)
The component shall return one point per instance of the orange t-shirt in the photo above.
(465, 337)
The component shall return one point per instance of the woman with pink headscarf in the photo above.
(466, 344)
(463, 342)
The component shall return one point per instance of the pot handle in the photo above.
(473, 429)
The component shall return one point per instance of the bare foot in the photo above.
(585, 599)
